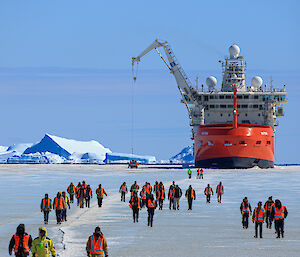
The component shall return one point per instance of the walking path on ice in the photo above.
(209, 230)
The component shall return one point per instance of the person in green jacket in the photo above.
(42, 245)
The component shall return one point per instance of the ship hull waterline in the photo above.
(225, 147)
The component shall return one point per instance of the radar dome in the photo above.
(234, 51)
(211, 82)
(256, 82)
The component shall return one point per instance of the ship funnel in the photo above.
(211, 82)
(234, 51)
(256, 82)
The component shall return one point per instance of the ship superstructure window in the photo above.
(221, 114)
(212, 106)
(258, 142)
(230, 106)
(228, 97)
(227, 143)
(242, 143)
(221, 97)
(259, 114)
(268, 142)
(223, 106)
(255, 97)
(211, 97)
(239, 97)
(205, 98)
(255, 105)
(246, 97)
(210, 143)
(244, 105)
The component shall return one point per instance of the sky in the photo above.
(65, 67)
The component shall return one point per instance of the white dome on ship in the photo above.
(234, 51)
(211, 82)
(256, 82)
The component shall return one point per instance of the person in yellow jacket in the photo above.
(42, 245)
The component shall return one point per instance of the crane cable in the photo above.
(134, 74)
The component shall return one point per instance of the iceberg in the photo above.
(125, 158)
(185, 156)
(68, 148)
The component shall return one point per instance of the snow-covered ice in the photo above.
(209, 230)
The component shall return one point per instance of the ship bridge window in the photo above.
(212, 106)
(230, 106)
(239, 97)
(227, 143)
(258, 142)
(255, 97)
(238, 106)
(205, 98)
(211, 97)
(246, 97)
(244, 105)
(210, 143)
(223, 106)
(228, 97)
(221, 97)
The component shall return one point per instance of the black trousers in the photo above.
(208, 198)
(100, 202)
(122, 196)
(279, 227)
(219, 198)
(201, 176)
(143, 202)
(150, 216)
(245, 220)
(78, 201)
(160, 203)
(71, 198)
(190, 176)
(87, 202)
(268, 219)
(258, 225)
(135, 213)
(46, 216)
(171, 203)
(190, 203)
(22, 254)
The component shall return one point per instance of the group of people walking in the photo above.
(271, 211)
(153, 197)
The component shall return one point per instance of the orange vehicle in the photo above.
(133, 164)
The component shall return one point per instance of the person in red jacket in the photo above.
(77, 192)
(279, 213)
(20, 242)
(161, 197)
(190, 195)
(220, 192)
(259, 216)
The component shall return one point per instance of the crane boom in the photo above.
(184, 84)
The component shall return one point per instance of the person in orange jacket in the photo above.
(96, 245)
(161, 197)
(279, 213)
(46, 207)
(77, 193)
(259, 216)
(71, 191)
(190, 194)
(20, 242)
(151, 205)
(100, 192)
(123, 191)
(135, 205)
(88, 196)
(201, 173)
(268, 207)
(208, 191)
(59, 205)
(245, 209)
(143, 196)
(220, 192)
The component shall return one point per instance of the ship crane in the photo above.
(185, 87)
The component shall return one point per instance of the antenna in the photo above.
(271, 83)
(197, 82)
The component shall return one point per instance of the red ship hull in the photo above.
(223, 146)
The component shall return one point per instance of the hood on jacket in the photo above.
(21, 229)
(40, 234)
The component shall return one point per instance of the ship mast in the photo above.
(234, 116)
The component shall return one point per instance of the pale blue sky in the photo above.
(88, 45)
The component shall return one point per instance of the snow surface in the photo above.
(209, 230)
